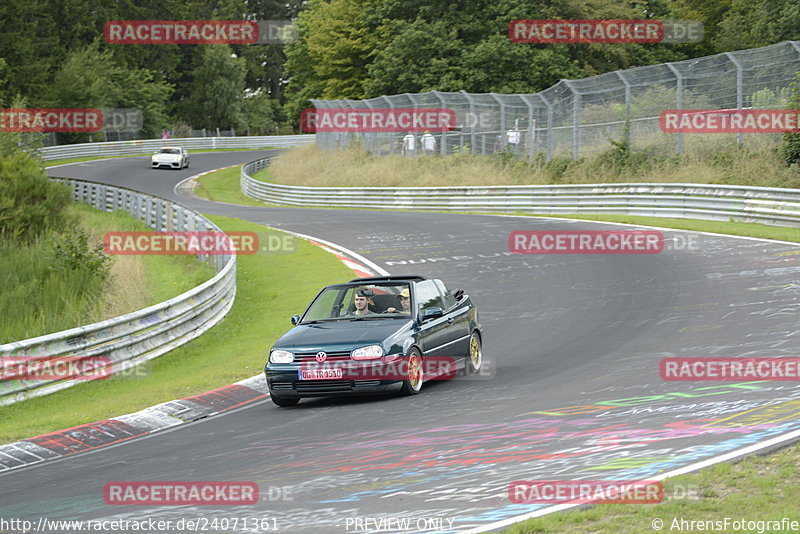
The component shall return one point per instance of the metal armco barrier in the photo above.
(765, 205)
(130, 339)
(149, 146)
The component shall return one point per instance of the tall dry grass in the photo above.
(38, 299)
(716, 163)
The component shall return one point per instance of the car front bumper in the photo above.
(285, 383)
(167, 164)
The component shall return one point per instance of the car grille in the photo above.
(307, 357)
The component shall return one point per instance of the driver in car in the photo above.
(405, 302)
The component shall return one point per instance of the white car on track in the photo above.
(171, 157)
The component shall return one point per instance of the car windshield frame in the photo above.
(343, 300)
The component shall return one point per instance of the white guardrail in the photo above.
(130, 339)
(149, 146)
(765, 205)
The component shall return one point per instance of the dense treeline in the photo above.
(52, 53)
(365, 48)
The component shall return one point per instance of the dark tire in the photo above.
(474, 354)
(285, 401)
(413, 382)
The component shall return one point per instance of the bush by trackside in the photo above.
(30, 203)
(791, 141)
(70, 251)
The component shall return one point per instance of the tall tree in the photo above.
(336, 40)
(754, 23)
(217, 89)
(362, 48)
(91, 78)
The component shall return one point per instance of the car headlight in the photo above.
(370, 352)
(281, 356)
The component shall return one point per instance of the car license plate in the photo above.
(320, 374)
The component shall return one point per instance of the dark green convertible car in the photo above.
(369, 335)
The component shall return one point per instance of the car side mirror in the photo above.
(295, 319)
(432, 313)
(458, 294)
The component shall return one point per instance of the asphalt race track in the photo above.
(573, 343)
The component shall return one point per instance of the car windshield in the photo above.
(170, 151)
(360, 301)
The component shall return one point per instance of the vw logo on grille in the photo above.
(321, 357)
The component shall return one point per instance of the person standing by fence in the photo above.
(410, 145)
(428, 143)
(513, 137)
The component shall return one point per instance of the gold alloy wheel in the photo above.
(415, 371)
(475, 352)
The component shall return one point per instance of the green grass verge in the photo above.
(263, 175)
(47, 300)
(223, 186)
(165, 276)
(765, 488)
(271, 288)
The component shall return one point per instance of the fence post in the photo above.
(443, 140)
(371, 138)
(392, 136)
(502, 124)
(531, 126)
(576, 119)
(549, 126)
(418, 135)
(739, 88)
(473, 138)
(679, 83)
(627, 126)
